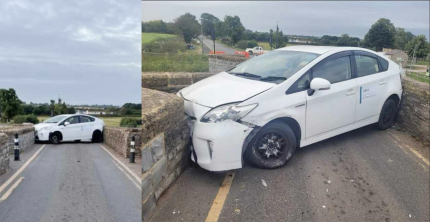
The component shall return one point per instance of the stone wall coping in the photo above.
(16, 129)
(127, 129)
(233, 58)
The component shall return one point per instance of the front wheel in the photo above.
(388, 112)
(55, 138)
(272, 147)
(250, 52)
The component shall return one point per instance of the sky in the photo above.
(302, 18)
(86, 51)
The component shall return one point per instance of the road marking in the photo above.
(220, 198)
(6, 195)
(128, 176)
(414, 151)
(123, 165)
(2, 187)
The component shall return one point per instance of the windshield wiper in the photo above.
(270, 78)
(247, 74)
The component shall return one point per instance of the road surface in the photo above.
(362, 175)
(218, 47)
(71, 182)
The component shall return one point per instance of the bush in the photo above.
(25, 119)
(247, 44)
(130, 122)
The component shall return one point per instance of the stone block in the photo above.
(159, 171)
(180, 79)
(147, 159)
(148, 206)
(147, 185)
(157, 146)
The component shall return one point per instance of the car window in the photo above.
(85, 119)
(334, 71)
(72, 120)
(301, 84)
(366, 65)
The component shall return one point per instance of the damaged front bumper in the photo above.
(218, 146)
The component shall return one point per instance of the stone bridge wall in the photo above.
(4, 154)
(413, 115)
(165, 145)
(119, 138)
(25, 135)
(219, 63)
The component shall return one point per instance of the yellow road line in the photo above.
(123, 165)
(6, 195)
(220, 198)
(2, 187)
(419, 155)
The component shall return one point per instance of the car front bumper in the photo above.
(218, 146)
(41, 135)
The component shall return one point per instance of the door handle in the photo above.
(350, 92)
(382, 82)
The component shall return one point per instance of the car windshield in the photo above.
(55, 119)
(274, 66)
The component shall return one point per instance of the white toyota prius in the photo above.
(70, 128)
(263, 109)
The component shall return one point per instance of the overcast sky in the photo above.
(303, 18)
(88, 50)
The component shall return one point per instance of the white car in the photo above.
(70, 128)
(265, 108)
(256, 50)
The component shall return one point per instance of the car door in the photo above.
(73, 130)
(333, 108)
(87, 125)
(371, 81)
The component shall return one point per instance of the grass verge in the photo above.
(418, 76)
(181, 62)
(148, 37)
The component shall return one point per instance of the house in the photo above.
(299, 40)
(92, 111)
(396, 55)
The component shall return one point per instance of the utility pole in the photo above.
(201, 32)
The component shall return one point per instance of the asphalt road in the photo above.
(72, 182)
(218, 47)
(362, 175)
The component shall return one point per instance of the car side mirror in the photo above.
(66, 123)
(318, 84)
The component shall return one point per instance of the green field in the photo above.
(418, 76)
(180, 62)
(109, 121)
(148, 37)
(424, 63)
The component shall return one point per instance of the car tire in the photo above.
(250, 52)
(97, 136)
(388, 112)
(55, 138)
(274, 136)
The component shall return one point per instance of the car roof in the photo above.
(309, 48)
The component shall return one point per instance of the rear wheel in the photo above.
(97, 137)
(387, 115)
(272, 147)
(250, 52)
(55, 138)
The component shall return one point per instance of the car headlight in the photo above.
(46, 128)
(230, 111)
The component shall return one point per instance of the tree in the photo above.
(208, 23)
(9, 103)
(400, 38)
(343, 40)
(187, 26)
(233, 28)
(380, 35)
(41, 110)
(422, 47)
(27, 109)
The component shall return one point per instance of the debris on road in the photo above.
(264, 183)
(237, 211)
(324, 206)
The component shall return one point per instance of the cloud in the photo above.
(72, 48)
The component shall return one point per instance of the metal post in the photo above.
(132, 150)
(16, 140)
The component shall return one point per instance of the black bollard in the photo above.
(16, 140)
(132, 150)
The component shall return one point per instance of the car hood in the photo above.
(223, 88)
(41, 125)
